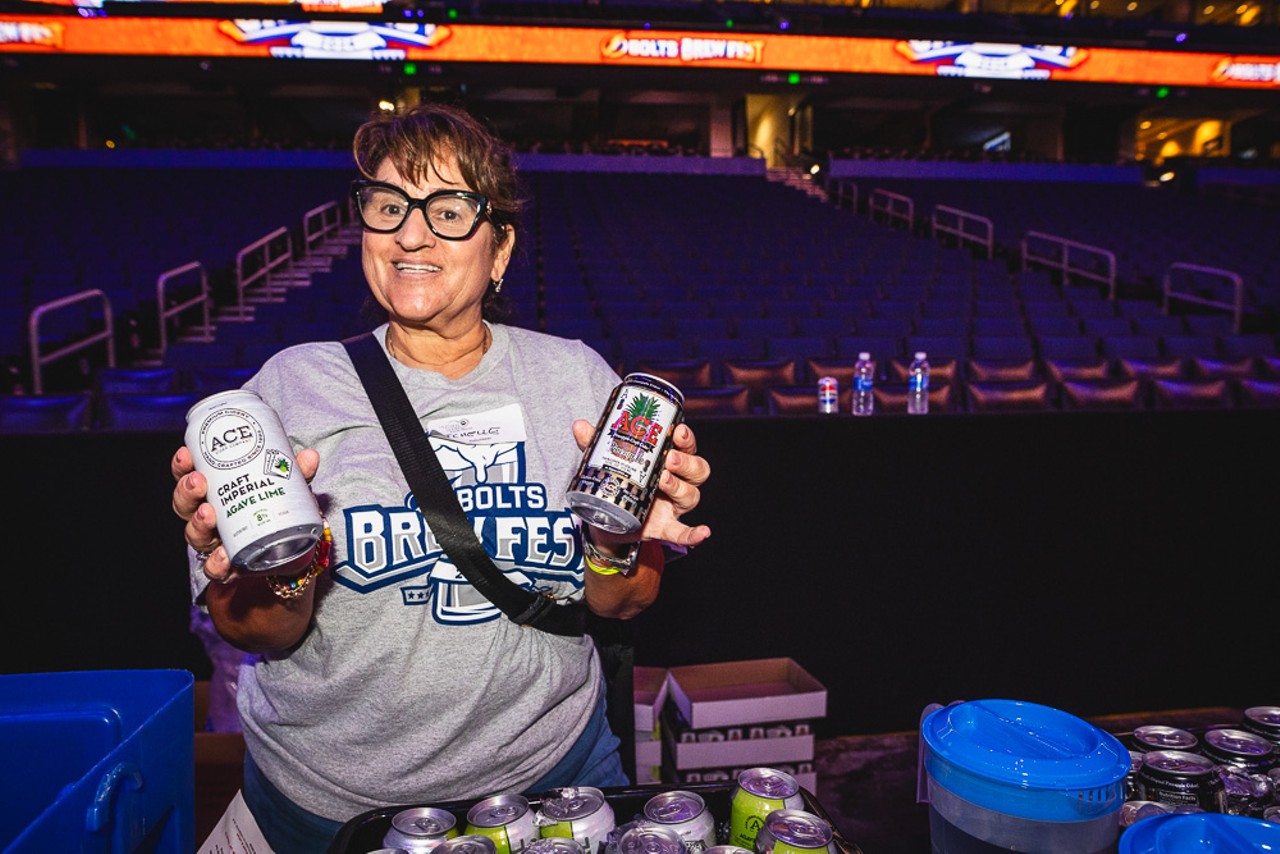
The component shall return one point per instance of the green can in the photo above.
(756, 793)
(578, 812)
(506, 819)
(795, 832)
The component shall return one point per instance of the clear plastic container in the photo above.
(864, 380)
(918, 385)
(1221, 834)
(1005, 775)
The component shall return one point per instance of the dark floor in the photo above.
(867, 783)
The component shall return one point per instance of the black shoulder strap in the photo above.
(438, 503)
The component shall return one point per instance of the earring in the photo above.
(497, 285)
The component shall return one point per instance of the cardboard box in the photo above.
(802, 772)
(745, 753)
(650, 688)
(648, 774)
(648, 752)
(745, 692)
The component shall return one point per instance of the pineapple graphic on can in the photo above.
(614, 486)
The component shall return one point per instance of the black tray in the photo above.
(364, 833)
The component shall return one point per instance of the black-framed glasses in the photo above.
(450, 214)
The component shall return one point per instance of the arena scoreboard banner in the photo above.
(781, 54)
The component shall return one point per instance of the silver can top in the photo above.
(651, 839)
(573, 802)
(469, 843)
(1178, 762)
(768, 783)
(497, 811)
(1157, 737)
(423, 822)
(799, 829)
(674, 807)
(1238, 742)
(1265, 717)
(554, 845)
(656, 383)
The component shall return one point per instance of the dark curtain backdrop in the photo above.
(1099, 563)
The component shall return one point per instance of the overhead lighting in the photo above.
(386, 106)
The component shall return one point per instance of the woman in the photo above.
(389, 680)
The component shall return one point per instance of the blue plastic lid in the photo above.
(1216, 832)
(1025, 760)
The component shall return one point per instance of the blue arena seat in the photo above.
(154, 412)
(49, 413)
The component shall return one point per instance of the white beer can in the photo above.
(266, 513)
(686, 813)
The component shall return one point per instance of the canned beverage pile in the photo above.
(1226, 769)
(766, 815)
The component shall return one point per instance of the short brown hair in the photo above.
(424, 135)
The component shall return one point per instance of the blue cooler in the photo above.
(1005, 775)
(1222, 834)
(99, 761)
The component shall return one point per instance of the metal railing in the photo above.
(201, 300)
(319, 225)
(967, 228)
(1214, 274)
(107, 334)
(893, 208)
(843, 193)
(256, 264)
(1071, 259)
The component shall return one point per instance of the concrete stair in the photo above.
(797, 179)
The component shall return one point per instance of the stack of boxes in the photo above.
(651, 695)
(713, 720)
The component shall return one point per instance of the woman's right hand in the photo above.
(189, 494)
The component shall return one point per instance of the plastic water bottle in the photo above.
(864, 379)
(918, 385)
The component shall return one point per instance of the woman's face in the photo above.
(422, 280)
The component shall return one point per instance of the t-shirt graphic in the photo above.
(534, 545)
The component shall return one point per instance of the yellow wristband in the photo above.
(599, 570)
(603, 564)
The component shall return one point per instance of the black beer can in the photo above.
(1236, 748)
(1264, 721)
(1145, 739)
(1176, 777)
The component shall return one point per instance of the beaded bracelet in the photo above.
(292, 588)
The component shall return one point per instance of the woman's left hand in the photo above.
(678, 488)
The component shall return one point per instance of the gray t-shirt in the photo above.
(410, 687)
